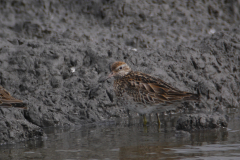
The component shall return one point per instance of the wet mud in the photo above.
(54, 56)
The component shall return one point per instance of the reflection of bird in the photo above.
(143, 93)
(6, 100)
(144, 152)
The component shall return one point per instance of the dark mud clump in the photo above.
(15, 128)
(54, 56)
(191, 122)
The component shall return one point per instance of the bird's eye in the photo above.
(120, 68)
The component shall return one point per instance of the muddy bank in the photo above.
(54, 56)
(201, 121)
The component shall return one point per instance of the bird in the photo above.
(144, 93)
(6, 100)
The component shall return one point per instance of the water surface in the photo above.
(129, 141)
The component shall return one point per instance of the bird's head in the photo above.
(119, 69)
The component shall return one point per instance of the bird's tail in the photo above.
(20, 105)
(194, 97)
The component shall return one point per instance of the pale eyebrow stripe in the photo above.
(123, 65)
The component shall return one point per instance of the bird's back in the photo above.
(145, 89)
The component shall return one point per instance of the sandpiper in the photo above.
(144, 93)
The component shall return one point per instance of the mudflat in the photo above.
(54, 56)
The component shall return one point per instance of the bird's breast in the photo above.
(119, 88)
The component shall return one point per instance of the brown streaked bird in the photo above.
(6, 100)
(144, 93)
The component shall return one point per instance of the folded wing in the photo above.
(6, 100)
(149, 90)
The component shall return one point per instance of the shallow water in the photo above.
(121, 140)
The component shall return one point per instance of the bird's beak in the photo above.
(104, 79)
(110, 75)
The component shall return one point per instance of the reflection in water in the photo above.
(130, 141)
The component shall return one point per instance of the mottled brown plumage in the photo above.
(6, 100)
(143, 93)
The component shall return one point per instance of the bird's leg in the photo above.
(128, 113)
(129, 117)
(158, 119)
(144, 120)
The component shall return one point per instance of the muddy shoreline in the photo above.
(54, 56)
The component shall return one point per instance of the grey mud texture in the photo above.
(54, 56)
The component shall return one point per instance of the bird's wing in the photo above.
(7, 100)
(144, 88)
